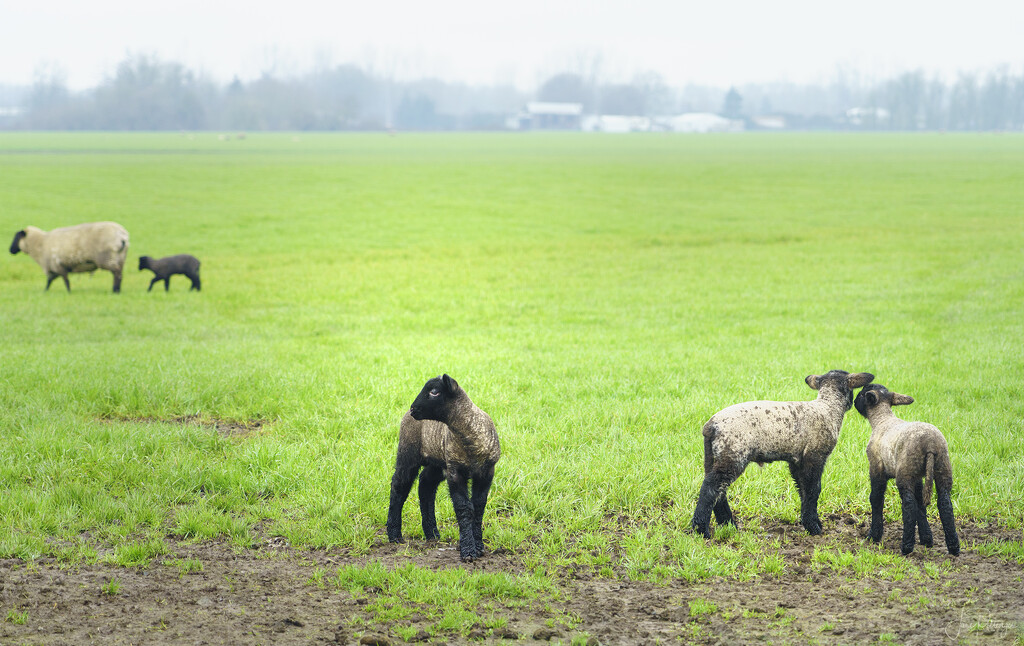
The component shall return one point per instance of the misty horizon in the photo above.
(519, 45)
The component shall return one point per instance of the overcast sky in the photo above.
(708, 42)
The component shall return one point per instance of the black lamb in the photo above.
(164, 268)
(449, 438)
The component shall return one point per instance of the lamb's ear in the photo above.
(814, 381)
(449, 383)
(872, 397)
(901, 400)
(860, 379)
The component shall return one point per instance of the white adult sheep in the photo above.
(83, 247)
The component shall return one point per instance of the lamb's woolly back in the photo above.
(178, 264)
(776, 430)
(897, 446)
(473, 437)
(82, 247)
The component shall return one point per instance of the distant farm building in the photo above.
(542, 115)
(769, 122)
(868, 116)
(700, 122)
(615, 123)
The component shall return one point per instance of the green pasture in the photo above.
(599, 296)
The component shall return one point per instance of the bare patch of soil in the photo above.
(224, 427)
(264, 595)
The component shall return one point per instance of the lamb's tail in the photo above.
(709, 454)
(929, 478)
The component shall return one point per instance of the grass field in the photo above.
(599, 296)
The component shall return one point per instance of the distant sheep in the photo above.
(907, 452)
(451, 439)
(801, 433)
(83, 247)
(164, 268)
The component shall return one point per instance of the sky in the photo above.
(707, 43)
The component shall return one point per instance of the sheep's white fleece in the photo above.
(83, 247)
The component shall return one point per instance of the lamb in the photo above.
(451, 439)
(83, 247)
(907, 452)
(164, 268)
(801, 433)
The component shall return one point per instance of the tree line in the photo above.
(146, 93)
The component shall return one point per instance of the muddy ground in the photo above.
(264, 596)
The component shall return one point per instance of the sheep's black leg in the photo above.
(878, 485)
(924, 532)
(723, 514)
(401, 484)
(945, 506)
(167, 284)
(430, 478)
(67, 285)
(811, 489)
(153, 282)
(713, 489)
(50, 277)
(909, 516)
(195, 282)
(797, 475)
(481, 488)
(459, 491)
(117, 281)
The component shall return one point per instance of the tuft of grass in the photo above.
(16, 617)
(185, 566)
(449, 598)
(1009, 550)
(701, 607)
(137, 554)
(111, 587)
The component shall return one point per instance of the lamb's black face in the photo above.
(16, 245)
(434, 400)
(869, 396)
(143, 262)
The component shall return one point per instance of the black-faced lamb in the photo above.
(83, 247)
(908, 452)
(451, 439)
(800, 433)
(164, 268)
